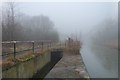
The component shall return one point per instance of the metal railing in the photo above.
(16, 48)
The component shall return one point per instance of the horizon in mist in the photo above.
(72, 19)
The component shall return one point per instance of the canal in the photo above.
(100, 61)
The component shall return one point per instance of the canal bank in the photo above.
(36, 67)
(70, 66)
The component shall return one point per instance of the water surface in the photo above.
(100, 61)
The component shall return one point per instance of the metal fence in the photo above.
(19, 48)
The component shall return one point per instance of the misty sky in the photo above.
(71, 18)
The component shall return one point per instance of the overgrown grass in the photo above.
(72, 48)
(11, 61)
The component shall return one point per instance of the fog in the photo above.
(95, 24)
(72, 18)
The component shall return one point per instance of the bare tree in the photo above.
(26, 28)
(8, 24)
(12, 20)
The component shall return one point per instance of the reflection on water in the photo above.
(100, 61)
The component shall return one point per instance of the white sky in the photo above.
(71, 17)
(61, 0)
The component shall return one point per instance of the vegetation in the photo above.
(26, 28)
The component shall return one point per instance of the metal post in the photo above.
(60, 44)
(42, 45)
(33, 46)
(65, 44)
(50, 44)
(14, 49)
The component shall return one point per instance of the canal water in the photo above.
(100, 49)
(100, 61)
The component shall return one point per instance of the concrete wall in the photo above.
(28, 68)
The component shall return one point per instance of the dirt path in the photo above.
(70, 66)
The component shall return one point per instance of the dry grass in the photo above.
(72, 49)
(26, 57)
(11, 61)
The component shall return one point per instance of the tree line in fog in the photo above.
(20, 27)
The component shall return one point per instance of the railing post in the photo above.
(47, 45)
(33, 46)
(50, 44)
(42, 46)
(14, 45)
(60, 45)
(65, 45)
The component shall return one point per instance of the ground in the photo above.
(70, 66)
